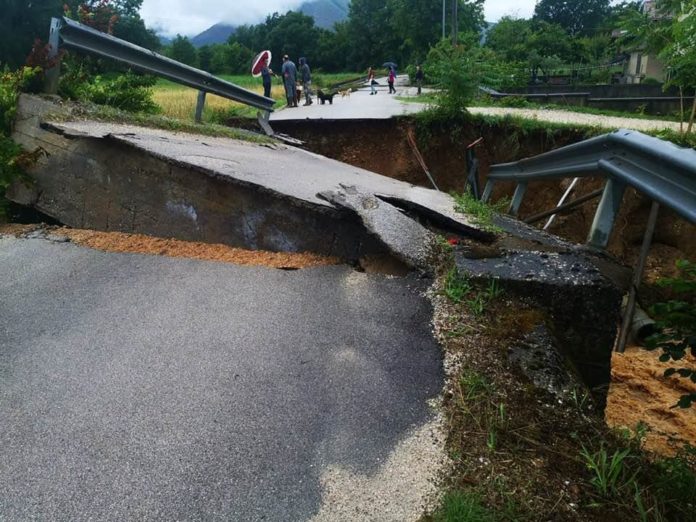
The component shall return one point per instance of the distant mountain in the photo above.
(326, 12)
(218, 33)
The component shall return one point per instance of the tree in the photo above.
(205, 57)
(21, 23)
(293, 34)
(679, 55)
(370, 32)
(669, 31)
(576, 17)
(182, 50)
(509, 39)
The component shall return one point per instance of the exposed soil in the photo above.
(640, 393)
(141, 244)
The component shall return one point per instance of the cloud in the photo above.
(171, 17)
(496, 9)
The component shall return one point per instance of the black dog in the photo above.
(324, 96)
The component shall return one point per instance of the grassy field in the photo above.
(178, 101)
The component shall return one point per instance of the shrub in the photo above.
(514, 101)
(128, 92)
(11, 84)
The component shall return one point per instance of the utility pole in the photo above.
(444, 2)
(455, 21)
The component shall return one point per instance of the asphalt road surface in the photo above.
(146, 387)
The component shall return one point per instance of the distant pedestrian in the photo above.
(306, 75)
(266, 75)
(289, 71)
(371, 80)
(419, 78)
(391, 79)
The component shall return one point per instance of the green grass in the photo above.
(460, 506)
(427, 98)
(457, 286)
(156, 121)
(481, 212)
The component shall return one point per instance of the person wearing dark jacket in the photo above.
(306, 75)
(419, 78)
(390, 80)
(289, 71)
(266, 74)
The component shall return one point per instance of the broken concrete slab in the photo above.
(405, 237)
(109, 176)
(582, 299)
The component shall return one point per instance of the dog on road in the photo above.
(324, 97)
(345, 94)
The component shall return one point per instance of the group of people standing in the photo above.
(289, 73)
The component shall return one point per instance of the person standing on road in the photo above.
(419, 78)
(306, 75)
(266, 75)
(289, 71)
(390, 80)
(371, 80)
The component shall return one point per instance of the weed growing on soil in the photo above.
(483, 213)
(458, 506)
(609, 475)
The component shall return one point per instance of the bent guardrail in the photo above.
(73, 35)
(659, 169)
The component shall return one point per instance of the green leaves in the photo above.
(676, 322)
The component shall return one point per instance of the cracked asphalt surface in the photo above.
(146, 387)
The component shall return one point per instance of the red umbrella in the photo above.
(258, 63)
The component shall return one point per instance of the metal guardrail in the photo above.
(659, 169)
(76, 36)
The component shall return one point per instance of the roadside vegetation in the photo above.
(521, 452)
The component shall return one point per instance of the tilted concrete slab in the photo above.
(407, 239)
(110, 176)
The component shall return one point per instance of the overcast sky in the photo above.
(188, 18)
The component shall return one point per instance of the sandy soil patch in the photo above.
(640, 393)
(142, 244)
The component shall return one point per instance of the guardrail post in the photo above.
(199, 106)
(606, 213)
(263, 118)
(517, 198)
(487, 191)
(53, 74)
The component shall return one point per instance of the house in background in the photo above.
(641, 65)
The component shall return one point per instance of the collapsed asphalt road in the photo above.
(145, 387)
